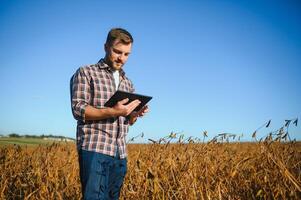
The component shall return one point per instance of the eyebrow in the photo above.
(118, 51)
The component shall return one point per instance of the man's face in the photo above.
(117, 54)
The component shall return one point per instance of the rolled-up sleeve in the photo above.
(80, 93)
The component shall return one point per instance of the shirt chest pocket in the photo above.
(102, 91)
(124, 86)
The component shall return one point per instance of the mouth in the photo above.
(118, 63)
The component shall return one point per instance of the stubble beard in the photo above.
(114, 65)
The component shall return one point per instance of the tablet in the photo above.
(120, 95)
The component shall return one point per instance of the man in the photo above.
(101, 131)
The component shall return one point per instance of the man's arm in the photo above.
(80, 93)
(120, 109)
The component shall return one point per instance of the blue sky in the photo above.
(219, 66)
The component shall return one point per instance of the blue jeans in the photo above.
(101, 175)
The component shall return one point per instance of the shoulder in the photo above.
(87, 70)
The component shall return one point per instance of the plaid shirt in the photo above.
(94, 85)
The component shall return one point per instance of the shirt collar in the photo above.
(102, 65)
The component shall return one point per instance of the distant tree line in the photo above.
(15, 135)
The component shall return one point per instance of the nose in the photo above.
(122, 57)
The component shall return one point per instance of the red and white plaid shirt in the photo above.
(94, 85)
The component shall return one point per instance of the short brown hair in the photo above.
(119, 34)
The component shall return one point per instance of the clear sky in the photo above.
(219, 66)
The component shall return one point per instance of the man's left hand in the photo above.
(134, 115)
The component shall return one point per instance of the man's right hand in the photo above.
(124, 110)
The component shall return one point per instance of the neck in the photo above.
(106, 60)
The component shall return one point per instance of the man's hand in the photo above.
(134, 115)
(124, 110)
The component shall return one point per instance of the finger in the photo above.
(146, 109)
(144, 112)
(133, 105)
(124, 101)
(134, 114)
(143, 109)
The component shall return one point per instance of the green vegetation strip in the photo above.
(25, 141)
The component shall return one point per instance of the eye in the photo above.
(117, 51)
